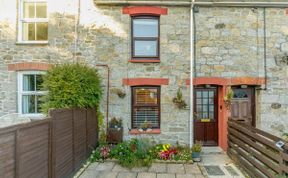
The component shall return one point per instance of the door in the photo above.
(243, 105)
(205, 116)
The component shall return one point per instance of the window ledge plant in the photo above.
(145, 126)
(179, 101)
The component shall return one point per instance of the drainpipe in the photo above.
(265, 47)
(108, 89)
(191, 72)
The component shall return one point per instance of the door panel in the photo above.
(242, 108)
(205, 118)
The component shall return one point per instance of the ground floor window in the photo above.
(145, 106)
(29, 93)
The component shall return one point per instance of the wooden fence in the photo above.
(53, 147)
(255, 151)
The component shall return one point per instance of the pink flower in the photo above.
(104, 151)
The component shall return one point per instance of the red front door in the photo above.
(205, 116)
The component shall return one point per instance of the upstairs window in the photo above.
(145, 37)
(29, 92)
(146, 106)
(33, 21)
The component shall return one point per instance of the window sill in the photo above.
(137, 132)
(32, 42)
(144, 61)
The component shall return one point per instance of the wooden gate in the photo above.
(255, 151)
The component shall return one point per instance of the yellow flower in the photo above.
(166, 147)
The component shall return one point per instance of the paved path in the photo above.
(157, 170)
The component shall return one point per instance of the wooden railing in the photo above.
(256, 151)
(53, 147)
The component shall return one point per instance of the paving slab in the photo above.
(146, 175)
(106, 166)
(89, 174)
(192, 169)
(139, 169)
(163, 175)
(119, 168)
(127, 175)
(175, 168)
(185, 176)
(93, 166)
(107, 174)
(158, 168)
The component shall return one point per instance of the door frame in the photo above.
(216, 111)
(253, 100)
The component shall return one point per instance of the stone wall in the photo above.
(108, 42)
(230, 43)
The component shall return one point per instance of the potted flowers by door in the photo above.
(115, 131)
(196, 150)
(228, 98)
(145, 126)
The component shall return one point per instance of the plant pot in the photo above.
(115, 135)
(196, 156)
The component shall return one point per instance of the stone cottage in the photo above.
(149, 53)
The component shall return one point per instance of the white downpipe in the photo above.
(191, 72)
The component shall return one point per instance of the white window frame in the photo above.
(22, 20)
(21, 92)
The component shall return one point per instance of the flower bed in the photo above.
(140, 152)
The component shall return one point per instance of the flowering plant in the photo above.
(167, 152)
(104, 152)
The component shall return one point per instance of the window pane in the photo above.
(145, 96)
(145, 27)
(205, 94)
(145, 48)
(41, 10)
(39, 81)
(42, 31)
(28, 31)
(29, 10)
(28, 82)
(149, 114)
(199, 101)
(198, 94)
(28, 104)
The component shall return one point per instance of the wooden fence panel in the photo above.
(62, 143)
(33, 151)
(92, 128)
(255, 150)
(80, 146)
(55, 147)
(7, 154)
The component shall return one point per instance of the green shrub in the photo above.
(71, 85)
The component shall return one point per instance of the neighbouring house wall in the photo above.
(62, 19)
(230, 43)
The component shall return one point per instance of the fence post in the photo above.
(50, 149)
(283, 162)
(17, 147)
(73, 139)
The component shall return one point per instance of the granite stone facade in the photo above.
(229, 43)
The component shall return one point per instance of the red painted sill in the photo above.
(144, 61)
(136, 132)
